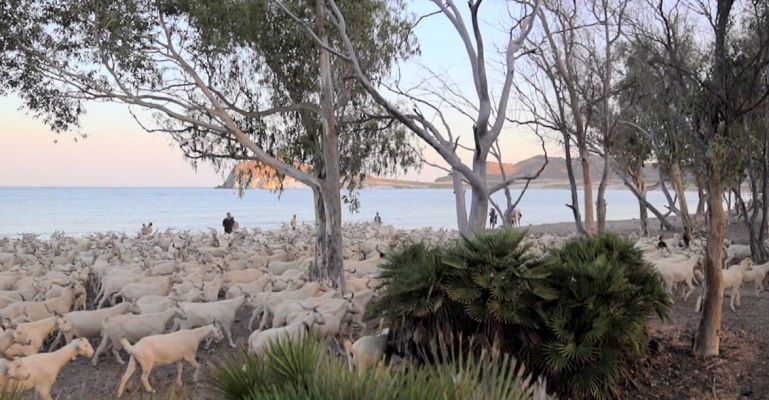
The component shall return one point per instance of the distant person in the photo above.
(228, 223)
(377, 219)
(293, 223)
(492, 218)
(516, 217)
(146, 229)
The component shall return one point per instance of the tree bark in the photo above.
(479, 198)
(459, 202)
(600, 204)
(587, 187)
(330, 183)
(706, 343)
(316, 270)
(678, 186)
(642, 197)
(671, 202)
(638, 180)
(572, 185)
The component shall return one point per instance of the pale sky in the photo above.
(117, 152)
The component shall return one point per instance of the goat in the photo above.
(679, 271)
(133, 328)
(35, 334)
(732, 279)
(87, 323)
(169, 348)
(366, 351)
(265, 301)
(757, 275)
(259, 341)
(200, 314)
(40, 371)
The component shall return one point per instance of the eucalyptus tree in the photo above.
(226, 81)
(720, 106)
(425, 112)
(569, 86)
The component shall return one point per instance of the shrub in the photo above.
(306, 370)
(595, 331)
(577, 317)
(484, 284)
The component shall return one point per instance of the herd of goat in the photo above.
(678, 264)
(159, 296)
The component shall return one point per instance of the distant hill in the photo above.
(256, 175)
(555, 174)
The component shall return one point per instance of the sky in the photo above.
(117, 152)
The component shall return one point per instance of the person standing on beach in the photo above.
(228, 223)
(492, 218)
(516, 217)
(377, 219)
(293, 223)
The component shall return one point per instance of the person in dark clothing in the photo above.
(492, 218)
(377, 219)
(228, 223)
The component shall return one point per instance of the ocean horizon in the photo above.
(82, 210)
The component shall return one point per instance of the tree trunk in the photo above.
(642, 210)
(316, 272)
(706, 343)
(479, 198)
(459, 200)
(572, 185)
(587, 187)
(702, 199)
(641, 196)
(330, 183)
(678, 186)
(600, 204)
(671, 202)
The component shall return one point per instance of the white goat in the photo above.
(366, 351)
(757, 275)
(133, 328)
(200, 314)
(40, 371)
(675, 271)
(259, 341)
(170, 348)
(88, 323)
(35, 334)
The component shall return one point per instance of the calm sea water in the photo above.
(79, 211)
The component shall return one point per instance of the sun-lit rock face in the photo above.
(256, 175)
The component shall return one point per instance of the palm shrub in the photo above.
(306, 370)
(489, 284)
(595, 330)
(500, 285)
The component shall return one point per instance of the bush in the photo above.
(596, 329)
(484, 284)
(577, 317)
(306, 370)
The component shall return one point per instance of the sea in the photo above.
(79, 211)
